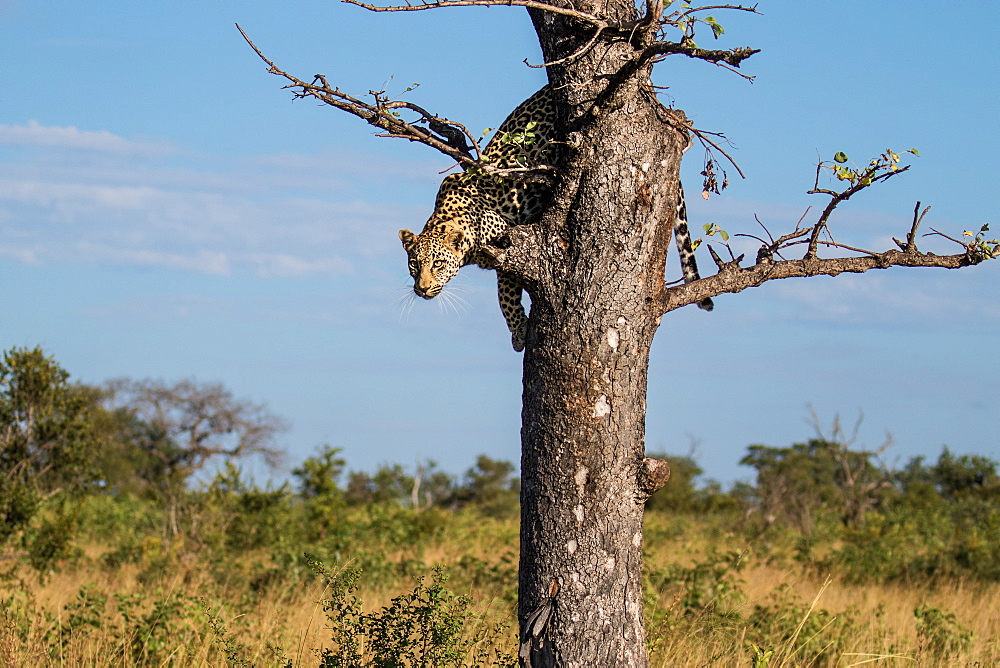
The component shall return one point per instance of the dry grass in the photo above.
(882, 631)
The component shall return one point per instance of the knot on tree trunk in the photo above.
(653, 474)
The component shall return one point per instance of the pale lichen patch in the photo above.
(602, 407)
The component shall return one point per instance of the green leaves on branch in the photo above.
(687, 21)
(714, 25)
(711, 229)
(523, 137)
(517, 141)
(980, 246)
(886, 163)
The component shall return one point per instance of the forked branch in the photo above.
(880, 169)
(448, 137)
(731, 277)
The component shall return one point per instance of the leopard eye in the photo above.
(438, 264)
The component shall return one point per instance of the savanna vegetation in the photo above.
(130, 535)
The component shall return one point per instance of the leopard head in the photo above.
(434, 258)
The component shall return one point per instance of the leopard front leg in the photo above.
(509, 290)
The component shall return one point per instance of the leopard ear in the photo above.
(455, 238)
(408, 238)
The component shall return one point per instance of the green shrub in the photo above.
(422, 627)
(939, 634)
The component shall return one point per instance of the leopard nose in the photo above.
(427, 293)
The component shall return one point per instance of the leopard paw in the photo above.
(519, 336)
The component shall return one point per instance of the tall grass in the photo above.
(712, 599)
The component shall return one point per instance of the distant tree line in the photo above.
(62, 443)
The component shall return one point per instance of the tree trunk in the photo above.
(595, 284)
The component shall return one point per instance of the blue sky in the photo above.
(167, 211)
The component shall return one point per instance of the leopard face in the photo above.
(434, 259)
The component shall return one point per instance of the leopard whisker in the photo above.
(451, 300)
(405, 303)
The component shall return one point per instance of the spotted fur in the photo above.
(473, 211)
(682, 237)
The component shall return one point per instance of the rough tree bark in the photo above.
(596, 273)
(596, 277)
(594, 268)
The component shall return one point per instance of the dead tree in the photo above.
(594, 268)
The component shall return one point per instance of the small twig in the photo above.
(741, 8)
(715, 256)
(764, 227)
(700, 134)
(754, 237)
(934, 232)
(846, 247)
(749, 77)
(803, 216)
(911, 238)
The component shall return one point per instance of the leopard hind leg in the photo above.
(509, 291)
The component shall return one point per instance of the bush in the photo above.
(423, 627)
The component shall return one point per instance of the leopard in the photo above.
(473, 212)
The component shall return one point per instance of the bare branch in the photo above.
(437, 4)
(733, 278)
(687, 48)
(379, 114)
(836, 198)
(446, 136)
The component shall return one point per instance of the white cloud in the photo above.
(51, 194)
(22, 255)
(204, 262)
(51, 136)
(283, 264)
(265, 233)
